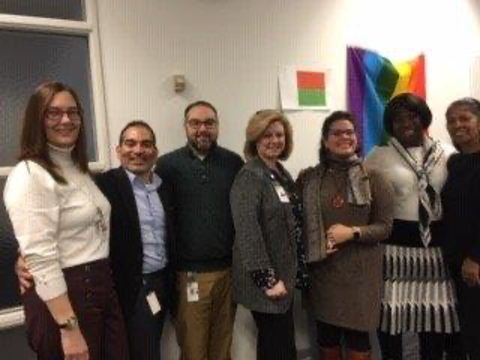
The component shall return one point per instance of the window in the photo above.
(53, 9)
(43, 40)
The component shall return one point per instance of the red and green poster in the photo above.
(303, 89)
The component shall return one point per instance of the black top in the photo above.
(461, 206)
(200, 192)
(407, 233)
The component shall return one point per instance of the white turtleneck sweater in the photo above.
(57, 226)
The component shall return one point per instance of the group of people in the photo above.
(388, 244)
(105, 256)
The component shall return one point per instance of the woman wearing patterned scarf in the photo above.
(418, 292)
(347, 212)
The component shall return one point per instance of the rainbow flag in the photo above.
(372, 81)
(311, 88)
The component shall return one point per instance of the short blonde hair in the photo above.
(256, 127)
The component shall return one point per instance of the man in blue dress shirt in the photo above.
(140, 239)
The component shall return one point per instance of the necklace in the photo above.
(100, 223)
(337, 201)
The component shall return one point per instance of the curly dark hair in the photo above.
(409, 102)
(327, 124)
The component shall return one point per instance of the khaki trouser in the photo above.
(205, 327)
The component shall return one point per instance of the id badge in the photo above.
(153, 303)
(192, 292)
(282, 194)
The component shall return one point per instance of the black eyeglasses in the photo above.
(338, 133)
(197, 124)
(56, 114)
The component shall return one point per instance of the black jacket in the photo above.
(126, 249)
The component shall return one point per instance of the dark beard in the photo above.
(203, 151)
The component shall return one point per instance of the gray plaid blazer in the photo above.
(263, 237)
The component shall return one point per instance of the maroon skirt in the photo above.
(93, 298)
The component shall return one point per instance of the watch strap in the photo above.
(69, 324)
(356, 233)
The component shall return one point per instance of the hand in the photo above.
(74, 345)
(471, 272)
(277, 292)
(338, 234)
(331, 249)
(25, 279)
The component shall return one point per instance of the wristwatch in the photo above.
(70, 324)
(356, 233)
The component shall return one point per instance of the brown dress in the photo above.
(346, 286)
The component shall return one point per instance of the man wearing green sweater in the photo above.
(199, 177)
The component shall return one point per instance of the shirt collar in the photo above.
(135, 179)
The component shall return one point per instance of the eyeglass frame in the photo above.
(69, 112)
(196, 124)
(339, 133)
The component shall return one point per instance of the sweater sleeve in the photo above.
(161, 167)
(34, 210)
(246, 199)
(381, 218)
(376, 158)
(473, 252)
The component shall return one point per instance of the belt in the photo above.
(155, 274)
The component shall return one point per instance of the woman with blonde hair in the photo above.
(266, 253)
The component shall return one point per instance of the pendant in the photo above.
(100, 223)
(101, 226)
(337, 201)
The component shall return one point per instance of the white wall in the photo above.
(229, 51)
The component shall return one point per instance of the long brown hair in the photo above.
(33, 141)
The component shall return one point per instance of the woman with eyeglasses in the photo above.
(347, 212)
(418, 292)
(61, 222)
(461, 203)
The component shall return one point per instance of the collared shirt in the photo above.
(152, 222)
